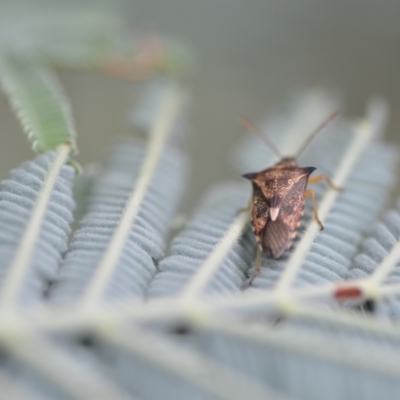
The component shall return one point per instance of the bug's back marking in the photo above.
(278, 205)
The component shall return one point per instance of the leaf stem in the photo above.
(73, 318)
(159, 135)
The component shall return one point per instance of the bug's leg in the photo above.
(245, 209)
(319, 178)
(258, 266)
(311, 193)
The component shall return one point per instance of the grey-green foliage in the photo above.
(195, 242)
(374, 249)
(146, 244)
(165, 341)
(83, 186)
(384, 236)
(207, 357)
(305, 363)
(17, 199)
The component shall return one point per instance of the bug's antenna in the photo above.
(251, 127)
(317, 130)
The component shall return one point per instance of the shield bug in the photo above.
(279, 193)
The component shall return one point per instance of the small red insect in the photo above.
(278, 199)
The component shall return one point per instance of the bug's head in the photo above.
(287, 162)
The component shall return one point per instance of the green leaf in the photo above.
(62, 34)
(38, 100)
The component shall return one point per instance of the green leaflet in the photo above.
(37, 98)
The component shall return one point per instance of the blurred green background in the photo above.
(250, 56)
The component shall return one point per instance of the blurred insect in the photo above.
(279, 193)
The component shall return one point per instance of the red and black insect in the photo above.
(278, 199)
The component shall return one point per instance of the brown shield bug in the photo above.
(279, 193)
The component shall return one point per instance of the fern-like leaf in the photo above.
(83, 186)
(37, 99)
(66, 372)
(153, 357)
(301, 362)
(378, 264)
(18, 195)
(196, 242)
(146, 243)
(196, 344)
